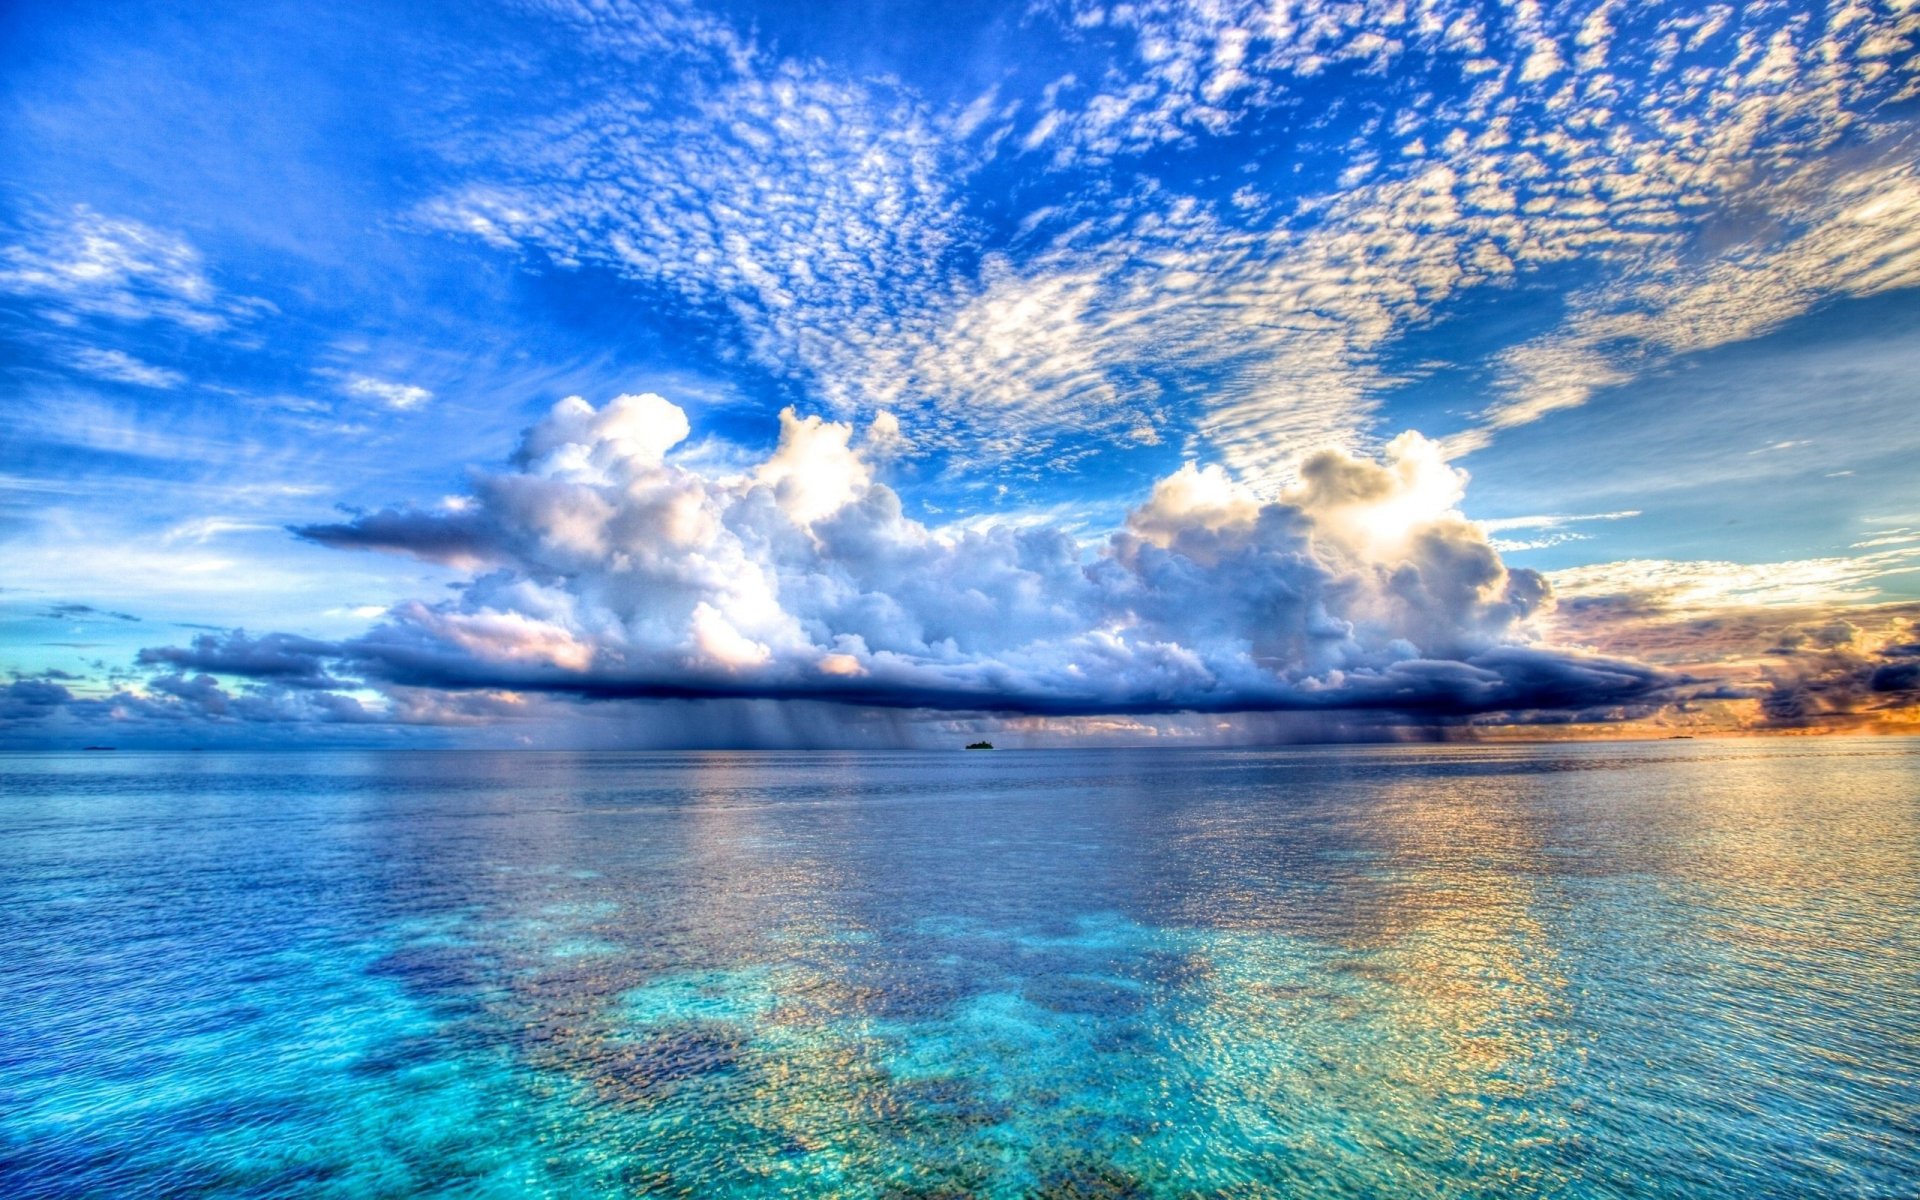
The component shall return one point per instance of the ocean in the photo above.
(1647, 969)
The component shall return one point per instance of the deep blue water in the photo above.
(1647, 969)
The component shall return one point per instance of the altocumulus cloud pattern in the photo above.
(831, 219)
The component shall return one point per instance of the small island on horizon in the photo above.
(979, 745)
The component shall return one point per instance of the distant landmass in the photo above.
(980, 745)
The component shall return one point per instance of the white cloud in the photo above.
(1553, 520)
(83, 263)
(1694, 586)
(401, 396)
(1539, 542)
(814, 473)
(122, 367)
(203, 529)
(1553, 527)
(1895, 537)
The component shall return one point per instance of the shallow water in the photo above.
(1649, 969)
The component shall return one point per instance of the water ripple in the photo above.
(1644, 970)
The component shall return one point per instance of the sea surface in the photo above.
(1664, 969)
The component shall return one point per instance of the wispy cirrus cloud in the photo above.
(82, 263)
(1546, 529)
(401, 396)
(121, 367)
(1696, 585)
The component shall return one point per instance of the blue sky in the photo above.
(1645, 273)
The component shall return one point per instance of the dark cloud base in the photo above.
(1505, 680)
(283, 696)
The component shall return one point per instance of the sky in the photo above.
(861, 374)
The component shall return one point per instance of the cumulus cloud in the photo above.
(606, 569)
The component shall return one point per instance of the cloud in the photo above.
(1839, 674)
(69, 611)
(1700, 585)
(401, 396)
(1553, 527)
(1639, 161)
(160, 711)
(201, 698)
(807, 213)
(279, 657)
(1710, 178)
(1358, 602)
(203, 529)
(121, 367)
(32, 700)
(455, 539)
(607, 570)
(1553, 520)
(1177, 73)
(82, 263)
(1803, 654)
(1228, 230)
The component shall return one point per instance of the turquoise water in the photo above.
(1650, 970)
